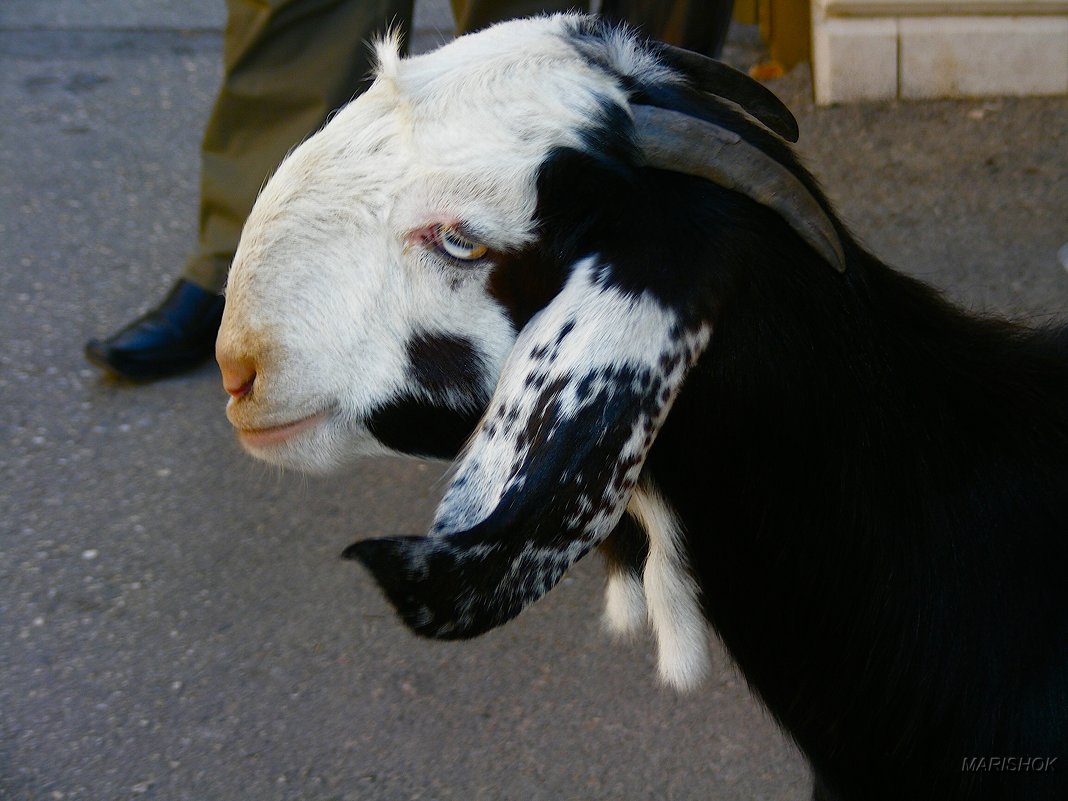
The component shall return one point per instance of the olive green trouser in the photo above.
(289, 63)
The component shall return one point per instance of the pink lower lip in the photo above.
(261, 437)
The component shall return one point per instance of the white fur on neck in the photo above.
(671, 594)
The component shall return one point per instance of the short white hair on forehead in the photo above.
(521, 72)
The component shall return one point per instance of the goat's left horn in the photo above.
(725, 83)
(677, 142)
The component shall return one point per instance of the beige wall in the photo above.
(883, 49)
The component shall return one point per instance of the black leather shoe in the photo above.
(177, 335)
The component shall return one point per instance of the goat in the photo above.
(592, 268)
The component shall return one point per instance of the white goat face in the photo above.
(363, 334)
(508, 241)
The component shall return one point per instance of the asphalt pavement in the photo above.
(175, 622)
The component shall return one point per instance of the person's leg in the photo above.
(473, 15)
(698, 25)
(287, 65)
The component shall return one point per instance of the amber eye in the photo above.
(455, 245)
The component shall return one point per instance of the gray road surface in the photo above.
(174, 620)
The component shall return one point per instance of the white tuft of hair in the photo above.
(671, 594)
(387, 53)
(624, 607)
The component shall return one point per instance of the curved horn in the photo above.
(676, 142)
(724, 82)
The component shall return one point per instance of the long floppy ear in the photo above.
(553, 463)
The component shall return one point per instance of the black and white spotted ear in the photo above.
(553, 463)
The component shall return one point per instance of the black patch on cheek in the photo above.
(445, 364)
(414, 426)
(452, 372)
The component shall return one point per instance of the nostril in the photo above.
(244, 389)
(238, 375)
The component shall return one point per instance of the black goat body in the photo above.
(880, 526)
(881, 534)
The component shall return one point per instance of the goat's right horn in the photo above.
(723, 82)
(679, 143)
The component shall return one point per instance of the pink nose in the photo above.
(238, 373)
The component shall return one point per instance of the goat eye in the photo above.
(456, 245)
